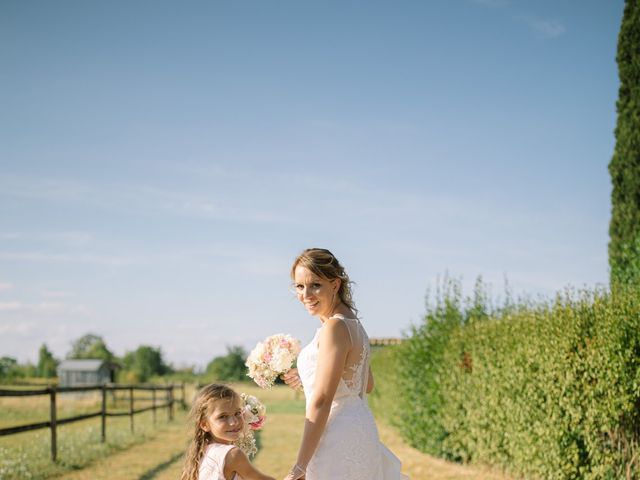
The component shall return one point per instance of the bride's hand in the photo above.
(292, 379)
(296, 473)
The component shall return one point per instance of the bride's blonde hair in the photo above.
(323, 263)
(202, 408)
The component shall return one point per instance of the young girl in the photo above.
(218, 423)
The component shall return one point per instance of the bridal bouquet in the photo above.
(271, 358)
(254, 415)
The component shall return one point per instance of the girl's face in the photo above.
(225, 422)
(317, 294)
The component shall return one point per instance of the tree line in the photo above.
(143, 364)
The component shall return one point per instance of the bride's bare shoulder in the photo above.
(335, 329)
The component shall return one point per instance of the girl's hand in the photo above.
(292, 379)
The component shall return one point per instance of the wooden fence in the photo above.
(52, 392)
(383, 342)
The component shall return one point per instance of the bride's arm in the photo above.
(370, 382)
(334, 346)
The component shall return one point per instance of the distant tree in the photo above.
(624, 228)
(46, 363)
(11, 369)
(27, 370)
(231, 367)
(90, 346)
(143, 363)
(8, 367)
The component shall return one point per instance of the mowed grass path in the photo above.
(161, 457)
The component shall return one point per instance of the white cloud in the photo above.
(88, 258)
(56, 294)
(5, 286)
(17, 328)
(141, 199)
(43, 308)
(10, 306)
(545, 28)
(52, 308)
(226, 203)
(10, 236)
(22, 338)
(71, 238)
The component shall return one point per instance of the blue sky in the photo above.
(162, 163)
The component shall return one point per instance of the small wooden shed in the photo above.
(76, 373)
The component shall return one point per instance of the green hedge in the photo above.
(545, 390)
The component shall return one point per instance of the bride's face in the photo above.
(317, 294)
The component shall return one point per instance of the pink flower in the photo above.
(258, 425)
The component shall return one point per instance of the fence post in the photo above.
(171, 401)
(54, 440)
(153, 399)
(103, 413)
(131, 407)
(168, 399)
(184, 397)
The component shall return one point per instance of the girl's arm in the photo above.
(335, 343)
(237, 462)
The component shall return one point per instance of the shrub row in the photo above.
(543, 389)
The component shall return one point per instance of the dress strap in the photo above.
(341, 316)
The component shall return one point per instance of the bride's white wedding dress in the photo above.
(349, 448)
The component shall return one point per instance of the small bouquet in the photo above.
(271, 358)
(254, 415)
(254, 412)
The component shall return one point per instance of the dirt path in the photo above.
(161, 457)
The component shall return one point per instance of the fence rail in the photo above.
(54, 421)
(383, 342)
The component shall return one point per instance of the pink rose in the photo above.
(258, 425)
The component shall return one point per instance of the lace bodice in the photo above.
(349, 448)
(355, 374)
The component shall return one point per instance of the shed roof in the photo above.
(89, 365)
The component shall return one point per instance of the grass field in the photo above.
(27, 455)
(155, 452)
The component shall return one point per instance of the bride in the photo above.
(340, 440)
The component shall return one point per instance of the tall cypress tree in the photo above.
(624, 228)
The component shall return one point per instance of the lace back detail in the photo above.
(356, 372)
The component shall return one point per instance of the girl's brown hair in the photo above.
(202, 408)
(323, 263)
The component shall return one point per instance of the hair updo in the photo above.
(324, 264)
